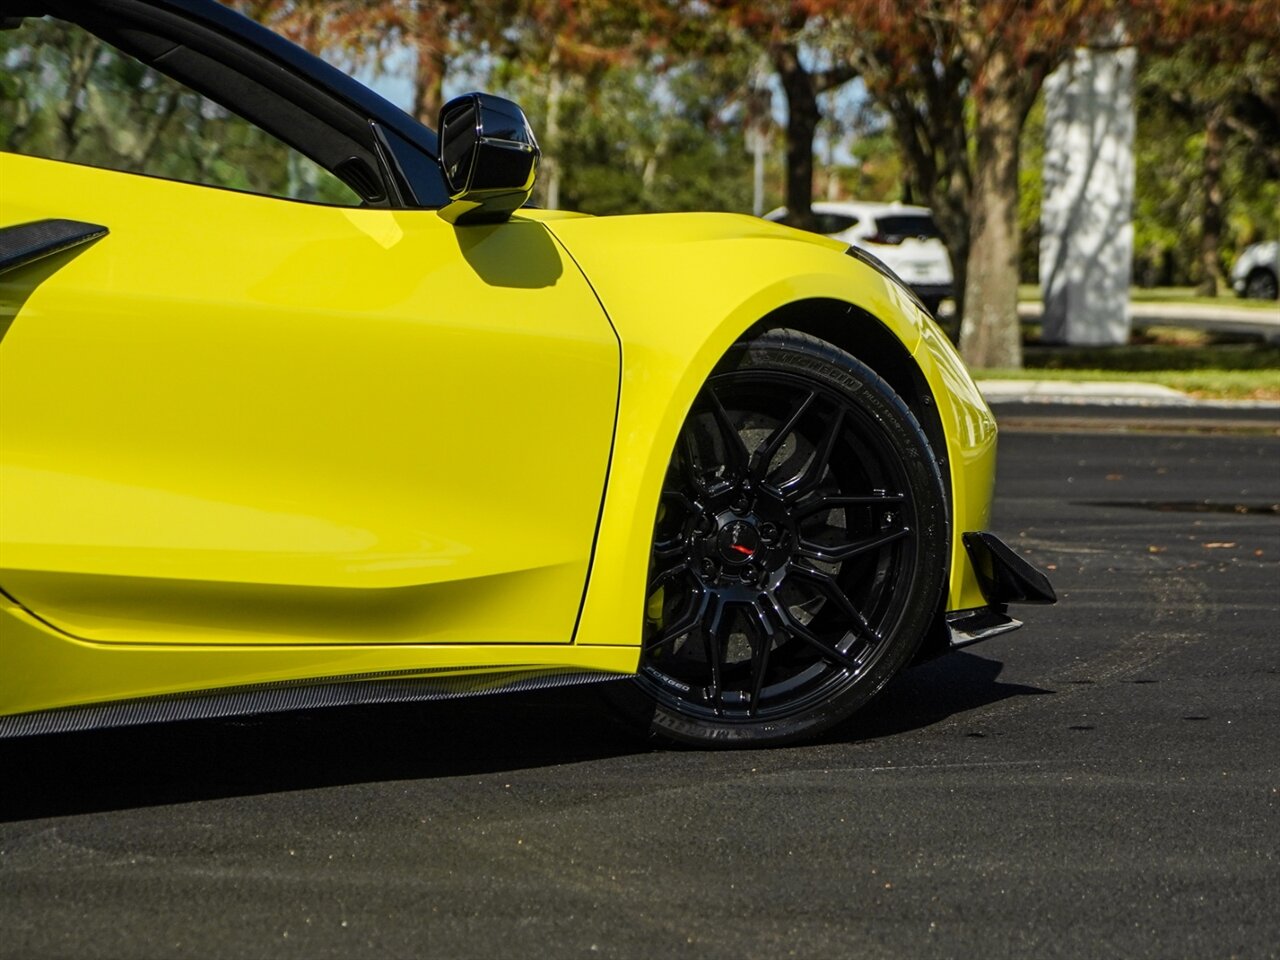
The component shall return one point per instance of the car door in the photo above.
(232, 418)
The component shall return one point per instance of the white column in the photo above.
(1086, 243)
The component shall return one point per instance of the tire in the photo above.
(799, 552)
(1261, 285)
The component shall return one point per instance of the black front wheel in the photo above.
(799, 552)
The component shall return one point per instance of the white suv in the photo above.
(905, 238)
(1256, 271)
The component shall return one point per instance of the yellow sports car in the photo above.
(383, 432)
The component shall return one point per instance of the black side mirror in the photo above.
(489, 158)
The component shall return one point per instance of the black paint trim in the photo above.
(880, 267)
(25, 243)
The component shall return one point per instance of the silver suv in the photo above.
(905, 238)
(1255, 272)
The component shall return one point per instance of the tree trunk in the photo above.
(83, 56)
(150, 137)
(549, 173)
(959, 251)
(802, 122)
(950, 207)
(929, 127)
(1215, 143)
(428, 82)
(989, 333)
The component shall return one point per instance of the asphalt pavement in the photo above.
(1104, 782)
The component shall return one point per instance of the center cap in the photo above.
(738, 541)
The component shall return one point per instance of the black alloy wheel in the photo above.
(799, 552)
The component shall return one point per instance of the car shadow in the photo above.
(95, 771)
(519, 253)
(929, 694)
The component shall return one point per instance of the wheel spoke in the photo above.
(797, 629)
(828, 553)
(676, 544)
(829, 589)
(759, 626)
(688, 459)
(736, 457)
(662, 577)
(689, 505)
(763, 456)
(809, 478)
(714, 637)
(692, 617)
(836, 503)
(668, 550)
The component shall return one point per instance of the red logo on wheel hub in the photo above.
(739, 541)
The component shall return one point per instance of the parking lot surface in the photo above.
(1104, 782)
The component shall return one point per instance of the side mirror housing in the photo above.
(489, 158)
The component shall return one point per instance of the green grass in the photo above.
(1031, 292)
(1196, 352)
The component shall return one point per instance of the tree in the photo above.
(70, 96)
(917, 73)
(807, 51)
(1222, 79)
(564, 48)
(438, 32)
(636, 140)
(958, 80)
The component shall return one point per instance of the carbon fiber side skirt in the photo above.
(278, 697)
